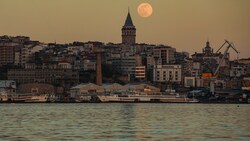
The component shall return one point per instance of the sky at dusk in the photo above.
(183, 24)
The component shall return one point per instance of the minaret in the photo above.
(128, 31)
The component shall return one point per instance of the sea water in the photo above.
(125, 122)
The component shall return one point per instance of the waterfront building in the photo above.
(86, 89)
(64, 77)
(142, 88)
(36, 88)
(167, 73)
(9, 86)
(115, 87)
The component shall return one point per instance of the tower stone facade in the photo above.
(128, 32)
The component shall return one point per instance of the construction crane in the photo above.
(230, 45)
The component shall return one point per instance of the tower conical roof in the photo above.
(129, 21)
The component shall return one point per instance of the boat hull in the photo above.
(144, 99)
(25, 98)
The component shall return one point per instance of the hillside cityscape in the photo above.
(73, 69)
(116, 70)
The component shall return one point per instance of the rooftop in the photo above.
(129, 21)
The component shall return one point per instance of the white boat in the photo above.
(146, 98)
(42, 98)
(25, 98)
(3, 96)
(117, 98)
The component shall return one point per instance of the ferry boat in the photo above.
(10, 98)
(145, 98)
(42, 98)
(24, 98)
(3, 97)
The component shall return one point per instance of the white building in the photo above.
(64, 65)
(167, 73)
(89, 65)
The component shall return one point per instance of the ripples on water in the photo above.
(115, 121)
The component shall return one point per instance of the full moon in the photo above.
(145, 10)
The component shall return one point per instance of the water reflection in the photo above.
(124, 122)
